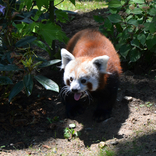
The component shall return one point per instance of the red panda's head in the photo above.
(82, 74)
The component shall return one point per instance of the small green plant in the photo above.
(130, 25)
(26, 64)
(148, 104)
(2, 146)
(70, 133)
(142, 105)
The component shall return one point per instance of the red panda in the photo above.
(91, 68)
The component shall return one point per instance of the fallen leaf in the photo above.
(49, 99)
(40, 99)
(46, 146)
(44, 112)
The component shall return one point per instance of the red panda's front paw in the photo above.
(101, 115)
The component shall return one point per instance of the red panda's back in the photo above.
(90, 44)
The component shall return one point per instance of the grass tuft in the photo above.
(82, 6)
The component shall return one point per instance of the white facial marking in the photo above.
(86, 71)
(89, 71)
(75, 85)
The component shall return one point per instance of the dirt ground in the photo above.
(35, 125)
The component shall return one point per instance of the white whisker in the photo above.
(86, 93)
(64, 92)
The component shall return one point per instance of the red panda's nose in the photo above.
(74, 90)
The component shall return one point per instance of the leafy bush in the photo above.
(23, 24)
(130, 25)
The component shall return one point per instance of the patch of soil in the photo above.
(35, 125)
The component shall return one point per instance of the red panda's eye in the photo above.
(83, 81)
(71, 79)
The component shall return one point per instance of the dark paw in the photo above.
(101, 115)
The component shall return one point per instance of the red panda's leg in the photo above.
(106, 99)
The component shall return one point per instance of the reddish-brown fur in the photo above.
(89, 44)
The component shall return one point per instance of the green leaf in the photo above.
(114, 4)
(124, 49)
(136, 11)
(28, 84)
(27, 62)
(42, 45)
(142, 105)
(10, 67)
(16, 89)
(125, 34)
(47, 83)
(119, 27)
(19, 26)
(98, 19)
(141, 38)
(72, 1)
(102, 30)
(38, 14)
(150, 26)
(134, 55)
(151, 42)
(72, 131)
(48, 32)
(41, 3)
(36, 65)
(139, 1)
(113, 10)
(49, 63)
(61, 36)
(133, 22)
(135, 43)
(147, 25)
(61, 16)
(28, 4)
(67, 134)
(129, 17)
(107, 24)
(4, 80)
(25, 41)
(152, 12)
(22, 4)
(115, 18)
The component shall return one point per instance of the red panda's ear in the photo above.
(101, 63)
(66, 57)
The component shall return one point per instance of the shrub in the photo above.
(130, 25)
(22, 24)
